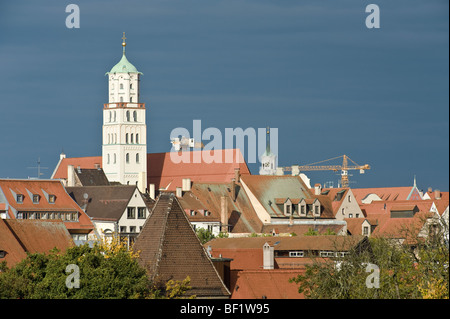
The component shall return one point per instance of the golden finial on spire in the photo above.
(124, 38)
(124, 44)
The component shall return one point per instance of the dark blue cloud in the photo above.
(311, 69)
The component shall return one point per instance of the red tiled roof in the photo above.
(165, 173)
(269, 284)
(243, 258)
(43, 188)
(241, 214)
(354, 225)
(17, 237)
(282, 243)
(88, 162)
(385, 193)
(400, 227)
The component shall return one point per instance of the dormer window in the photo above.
(316, 208)
(36, 199)
(288, 210)
(288, 207)
(52, 198)
(303, 209)
(19, 198)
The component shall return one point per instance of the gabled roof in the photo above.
(190, 202)
(241, 214)
(89, 162)
(401, 228)
(91, 177)
(167, 174)
(103, 202)
(169, 249)
(10, 188)
(19, 237)
(267, 189)
(354, 225)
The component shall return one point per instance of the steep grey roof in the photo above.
(92, 177)
(102, 202)
(169, 249)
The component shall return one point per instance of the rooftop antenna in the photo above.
(39, 168)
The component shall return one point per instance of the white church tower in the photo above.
(124, 147)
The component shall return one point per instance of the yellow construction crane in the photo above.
(344, 168)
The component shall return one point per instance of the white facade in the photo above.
(349, 207)
(124, 142)
(131, 221)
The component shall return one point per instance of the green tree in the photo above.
(204, 235)
(102, 274)
(416, 270)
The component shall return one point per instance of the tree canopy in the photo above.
(106, 270)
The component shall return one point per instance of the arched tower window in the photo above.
(137, 138)
(137, 157)
(121, 86)
(128, 116)
(132, 135)
(126, 138)
(121, 99)
(135, 116)
(127, 158)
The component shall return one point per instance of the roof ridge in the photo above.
(163, 233)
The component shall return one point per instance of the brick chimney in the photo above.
(437, 194)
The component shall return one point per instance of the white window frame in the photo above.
(297, 254)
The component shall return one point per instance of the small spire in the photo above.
(268, 140)
(124, 44)
(415, 185)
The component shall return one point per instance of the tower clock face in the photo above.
(266, 164)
